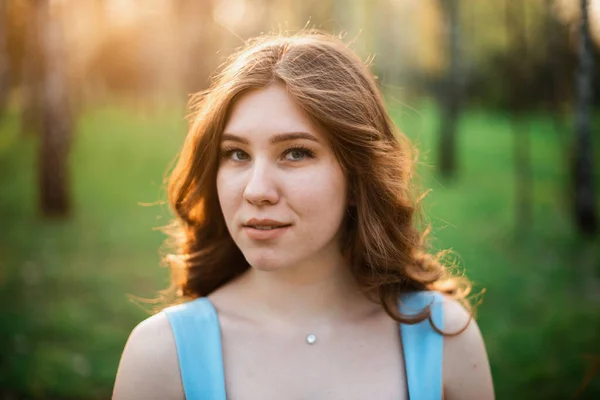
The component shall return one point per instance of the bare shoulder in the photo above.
(466, 366)
(149, 366)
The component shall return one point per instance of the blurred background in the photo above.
(501, 96)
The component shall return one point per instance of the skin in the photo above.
(298, 283)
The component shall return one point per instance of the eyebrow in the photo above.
(278, 138)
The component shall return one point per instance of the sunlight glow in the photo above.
(230, 12)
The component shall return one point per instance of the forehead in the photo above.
(268, 111)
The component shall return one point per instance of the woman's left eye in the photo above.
(298, 154)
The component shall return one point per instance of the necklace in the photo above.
(311, 338)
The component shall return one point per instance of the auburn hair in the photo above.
(385, 248)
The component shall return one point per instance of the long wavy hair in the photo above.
(386, 250)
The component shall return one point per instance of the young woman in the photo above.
(300, 268)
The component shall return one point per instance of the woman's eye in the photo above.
(298, 154)
(235, 155)
(238, 155)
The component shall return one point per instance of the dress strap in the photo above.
(423, 347)
(197, 334)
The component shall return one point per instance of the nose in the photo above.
(261, 188)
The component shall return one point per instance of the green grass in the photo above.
(64, 307)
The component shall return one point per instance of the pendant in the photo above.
(311, 339)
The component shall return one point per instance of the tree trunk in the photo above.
(198, 32)
(452, 92)
(552, 102)
(56, 122)
(583, 178)
(4, 61)
(519, 82)
(31, 77)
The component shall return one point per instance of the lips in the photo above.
(265, 229)
(265, 224)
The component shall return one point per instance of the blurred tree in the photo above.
(557, 91)
(4, 58)
(318, 13)
(584, 201)
(552, 56)
(452, 92)
(339, 14)
(56, 126)
(518, 80)
(32, 66)
(200, 42)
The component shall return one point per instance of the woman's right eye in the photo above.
(235, 155)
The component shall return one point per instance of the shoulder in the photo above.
(149, 366)
(466, 367)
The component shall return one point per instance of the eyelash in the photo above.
(227, 152)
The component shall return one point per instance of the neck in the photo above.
(317, 291)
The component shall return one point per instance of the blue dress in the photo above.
(197, 335)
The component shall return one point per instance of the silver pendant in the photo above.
(311, 339)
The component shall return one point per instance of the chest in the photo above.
(358, 362)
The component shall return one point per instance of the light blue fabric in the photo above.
(197, 334)
(423, 347)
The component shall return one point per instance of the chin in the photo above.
(266, 262)
(265, 267)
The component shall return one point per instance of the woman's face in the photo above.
(282, 191)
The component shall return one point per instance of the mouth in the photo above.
(265, 229)
(265, 224)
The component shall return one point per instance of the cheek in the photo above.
(320, 195)
(228, 192)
